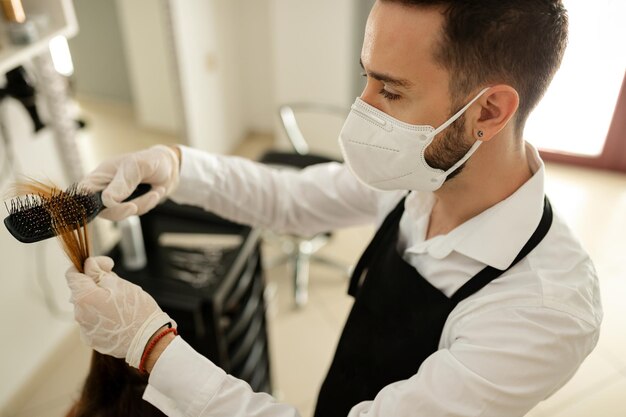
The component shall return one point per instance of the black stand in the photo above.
(214, 293)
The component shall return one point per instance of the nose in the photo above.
(370, 94)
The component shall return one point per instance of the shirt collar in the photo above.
(495, 236)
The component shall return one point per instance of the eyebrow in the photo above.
(398, 82)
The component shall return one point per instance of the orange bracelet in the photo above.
(150, 347)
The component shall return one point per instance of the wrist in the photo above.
(155, 347)
(159, 348)
(178, 153)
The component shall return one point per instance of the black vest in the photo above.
(396, 320)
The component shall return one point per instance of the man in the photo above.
(473, 298)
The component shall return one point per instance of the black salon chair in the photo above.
(312, 131)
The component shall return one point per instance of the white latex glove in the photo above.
(118, 178)
(116, 317)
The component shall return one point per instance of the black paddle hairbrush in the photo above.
(30, 217)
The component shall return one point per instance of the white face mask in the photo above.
(387, 154)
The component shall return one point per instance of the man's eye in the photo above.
(387, 95)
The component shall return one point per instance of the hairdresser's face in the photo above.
(403, 79)
(399, 43)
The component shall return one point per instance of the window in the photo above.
(582, 118)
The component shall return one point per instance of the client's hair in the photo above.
(112, 388)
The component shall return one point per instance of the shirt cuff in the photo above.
(196, 176)
(183, 381)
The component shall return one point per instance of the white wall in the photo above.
(98, 52)
(313, 45)
(256, 64)
(202, 31)
(238, 60)
(362, 11)
(314, 50)
(151, 69)
(216, 70)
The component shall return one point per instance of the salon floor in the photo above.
(302, 340)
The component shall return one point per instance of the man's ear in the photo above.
(497, 106)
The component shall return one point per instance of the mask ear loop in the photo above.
(465, 158)
(459, 113)
(452, 120)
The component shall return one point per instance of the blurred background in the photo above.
(86, 80)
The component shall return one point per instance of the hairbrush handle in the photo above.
(30, 221)
(139, 191)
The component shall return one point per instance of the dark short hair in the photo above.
(516, 42)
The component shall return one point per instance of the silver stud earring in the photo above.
(480, 134)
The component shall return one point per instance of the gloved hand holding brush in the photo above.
(116, 317)
(157, 166)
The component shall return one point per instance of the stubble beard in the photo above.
(448, 148)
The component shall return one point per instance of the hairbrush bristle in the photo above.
(23, 203)
(30, 215)
(66, 213)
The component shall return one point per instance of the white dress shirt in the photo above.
(502, 350)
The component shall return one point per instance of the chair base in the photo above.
(300, 253)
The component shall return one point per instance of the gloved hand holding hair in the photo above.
(118, 177)
(116, 317)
